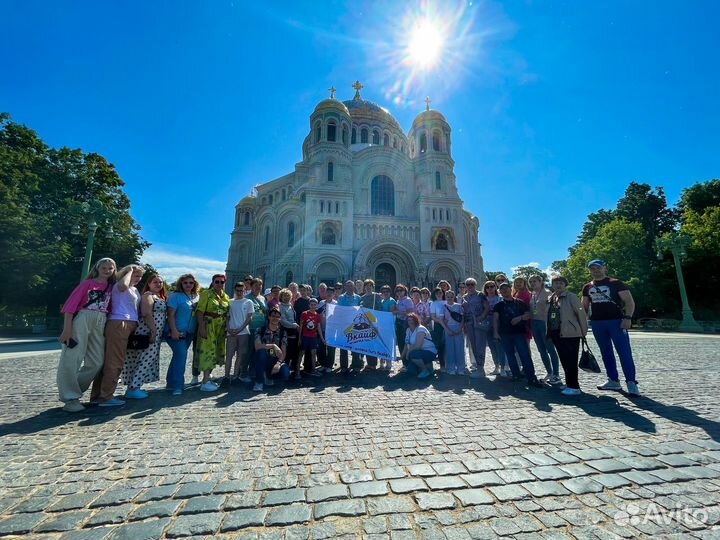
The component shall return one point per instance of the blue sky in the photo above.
(555, 106)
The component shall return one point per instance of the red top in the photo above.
(310, 321)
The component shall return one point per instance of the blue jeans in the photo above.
(264, 364)
(497, 351)
(455, 353)
(518, 342)
(427, 358)
(477, 337)
(607, 334)
(545, 347)
(176, 370)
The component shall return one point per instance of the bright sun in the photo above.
(425, 45)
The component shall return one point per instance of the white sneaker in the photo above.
(194, 381)
(633, 389)
(209, 387)
(497, 370)
(571, 392)
(555, 380)
(73, 405)
(258, 387)
(610, 385)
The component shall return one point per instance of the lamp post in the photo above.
(677, 244)
(95, 213)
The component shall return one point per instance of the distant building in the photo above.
(367, 200)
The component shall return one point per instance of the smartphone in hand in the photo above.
(71, 343)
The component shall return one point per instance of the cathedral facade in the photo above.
(367, 200)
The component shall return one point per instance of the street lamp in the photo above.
(677, 244)
(95, 213)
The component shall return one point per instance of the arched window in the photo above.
(441, 242)
(436, 141)
(328, 236)
(363, 136)
(438, 181)
(331, 131)
(322, 206)
(283, 194)
(386, 140)
(423, 143)
(288, 278)
(246, 219)
(344, 135)
(394, 142)
(291, 234)
(353, 136)
(270, 199)
(337, 207)
(267, 238)
(382, 196)
(318, 132)
(330, 171)
(376, 137)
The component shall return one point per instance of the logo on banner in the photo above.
(362, 328)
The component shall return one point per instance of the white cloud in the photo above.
(171, 264)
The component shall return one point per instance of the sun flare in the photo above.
(425, 45)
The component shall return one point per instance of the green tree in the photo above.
(491, 275)
(595, 220)
(38, 186)
(699, 197)
(621, 245)
(527, 271)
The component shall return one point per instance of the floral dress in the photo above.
(211, 349)
(142, 367)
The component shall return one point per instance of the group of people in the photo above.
(112, 332)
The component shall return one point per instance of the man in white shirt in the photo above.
(238, 336)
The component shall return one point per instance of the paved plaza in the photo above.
(371, 456)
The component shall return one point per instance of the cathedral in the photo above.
(366, 201)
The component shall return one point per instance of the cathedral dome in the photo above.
(428, 116)
(362, 109)
(332, 104)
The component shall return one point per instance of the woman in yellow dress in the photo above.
(212, 310)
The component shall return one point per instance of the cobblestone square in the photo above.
(371, 456)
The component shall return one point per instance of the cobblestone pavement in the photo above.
(372, 457)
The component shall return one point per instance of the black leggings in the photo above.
(568, 350)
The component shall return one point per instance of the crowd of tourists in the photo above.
(113, 331)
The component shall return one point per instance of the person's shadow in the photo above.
(606, 405)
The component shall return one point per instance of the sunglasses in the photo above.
(219, 282)
(469, 284)
(188, 283)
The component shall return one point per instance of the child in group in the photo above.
(83, 336)
(310, 333)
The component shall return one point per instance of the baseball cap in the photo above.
(596, 262)
(504, 284)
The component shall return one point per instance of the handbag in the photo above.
(138, 342)
(587, 359)
(457, 317)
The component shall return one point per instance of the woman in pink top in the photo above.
(122, 322)
(83, 337)
(521, 292)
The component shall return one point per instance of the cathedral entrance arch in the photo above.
(389, 260)
(328, 273)
(385, 275)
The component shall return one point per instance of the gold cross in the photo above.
(332, 92)
(427, 103)
(357, 86)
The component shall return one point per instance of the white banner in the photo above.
(361, 330)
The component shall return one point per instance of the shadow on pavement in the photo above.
(606, 406)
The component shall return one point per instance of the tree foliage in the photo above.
(625, 239)
(527, 271)
(39, 187)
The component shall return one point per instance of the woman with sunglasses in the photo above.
(401, 309)
(476, 317)
(143, 366)
(181, 308)
(212, 311)
(496, 349)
